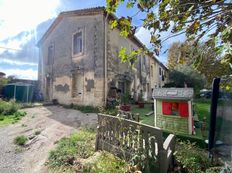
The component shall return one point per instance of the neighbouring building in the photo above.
(158, 74)
(79, 61)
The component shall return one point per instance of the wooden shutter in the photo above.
(166, 108)
(183, 109)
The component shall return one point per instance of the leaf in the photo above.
(130, 4)
(113, 24)
(122, 55)
(228, 88)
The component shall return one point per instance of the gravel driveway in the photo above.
(54, 122)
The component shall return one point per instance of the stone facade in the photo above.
(86, 78)
(158, 74)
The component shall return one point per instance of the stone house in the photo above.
(79, 61)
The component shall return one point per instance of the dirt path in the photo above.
(53, 122)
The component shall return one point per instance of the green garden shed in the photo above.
(21, 92)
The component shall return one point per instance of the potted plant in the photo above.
(125, 98)
(141, 100)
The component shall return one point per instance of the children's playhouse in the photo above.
(173, 109)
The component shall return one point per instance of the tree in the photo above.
(196, 18)
(201, 58)
(186, 76)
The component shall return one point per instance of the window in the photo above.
(151, 71)
(159, 71)
(77, 85)
(175, 108)
(50, 54)
(162, 75)
(77, 43)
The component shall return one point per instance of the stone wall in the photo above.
(65, 66)
(136, 78)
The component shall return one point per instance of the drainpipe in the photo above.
(105, 58)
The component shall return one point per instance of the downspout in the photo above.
(105, 58)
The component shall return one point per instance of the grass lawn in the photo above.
(5, 120)
(11, 119)
(202, 109)
(149, 120)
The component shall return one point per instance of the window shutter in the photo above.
(166, 108)
(183, 109)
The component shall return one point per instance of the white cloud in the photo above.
(17, 16)
(22, 74)
(14, 62)
(144, 36)
(15, 43)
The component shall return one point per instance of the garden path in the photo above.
(51, 123)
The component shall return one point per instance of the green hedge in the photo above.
(198, 141)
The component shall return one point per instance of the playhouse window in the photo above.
(175, 108)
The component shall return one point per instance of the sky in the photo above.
(22, 23)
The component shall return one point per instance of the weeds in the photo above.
(24, 125)
(106, 163)
(20, 140)
(192, 158)
(80, 144)
(37, 132)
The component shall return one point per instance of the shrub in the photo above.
(80, 144)
(86, 109)
(20, 114)
(20, 140)
(82, 108)
(192, 158)
(8, 108)
(1, 118)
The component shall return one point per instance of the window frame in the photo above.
(82, 37)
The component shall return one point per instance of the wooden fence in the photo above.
(127, 138)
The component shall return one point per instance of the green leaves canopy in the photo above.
(196, 18)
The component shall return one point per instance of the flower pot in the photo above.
(125, 107)
(141, 104)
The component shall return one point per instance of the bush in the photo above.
(86, 109)
(8, 108)
(20, 140)
(82, 108)
(80, 144)
(1, 118)
(199, 142)
(192, 158)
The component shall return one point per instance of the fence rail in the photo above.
(125, 138)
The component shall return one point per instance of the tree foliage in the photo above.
(186, 76)
(196, 18)
(201, 58)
